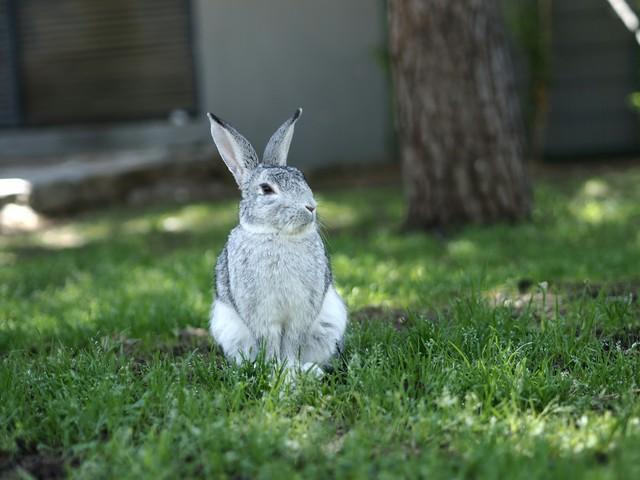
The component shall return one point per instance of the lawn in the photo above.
(502, 352)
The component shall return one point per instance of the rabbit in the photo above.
(274, 286)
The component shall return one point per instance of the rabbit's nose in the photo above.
(310, 208)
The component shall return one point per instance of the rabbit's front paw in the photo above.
(312, 369)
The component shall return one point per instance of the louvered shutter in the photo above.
(9, 113)
(96, 60)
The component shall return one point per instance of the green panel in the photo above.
(593, 73)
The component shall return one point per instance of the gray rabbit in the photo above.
(274, 288)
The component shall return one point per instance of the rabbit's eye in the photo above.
(266, 189)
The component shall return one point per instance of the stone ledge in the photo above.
(90, 180)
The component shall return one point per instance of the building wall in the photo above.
(259, 60)
(256, 61)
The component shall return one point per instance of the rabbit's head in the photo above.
(275, 197)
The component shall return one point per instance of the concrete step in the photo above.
(92, 179)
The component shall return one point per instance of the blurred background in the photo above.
(104, 102)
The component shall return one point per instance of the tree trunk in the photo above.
(457, 113)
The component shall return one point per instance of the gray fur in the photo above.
(278, 145)
(223, 283)
(241, 160)
(273, 277)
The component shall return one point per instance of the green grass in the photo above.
(98, 378)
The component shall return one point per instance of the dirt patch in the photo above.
(625, 340)
(608, 401)
(551, 297)
(619, 290)
(399, 318)
(606, 289)
(539, 300)
(613, 291)
(28, 459)
(602, 458)
(187, 341)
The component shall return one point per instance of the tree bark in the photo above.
(457, 114)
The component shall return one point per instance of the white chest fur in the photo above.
(277, 282)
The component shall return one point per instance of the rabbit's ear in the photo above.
(235, 150)
(278, 146)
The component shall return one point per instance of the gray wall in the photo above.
(259, 60)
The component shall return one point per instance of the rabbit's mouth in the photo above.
(299, 225)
